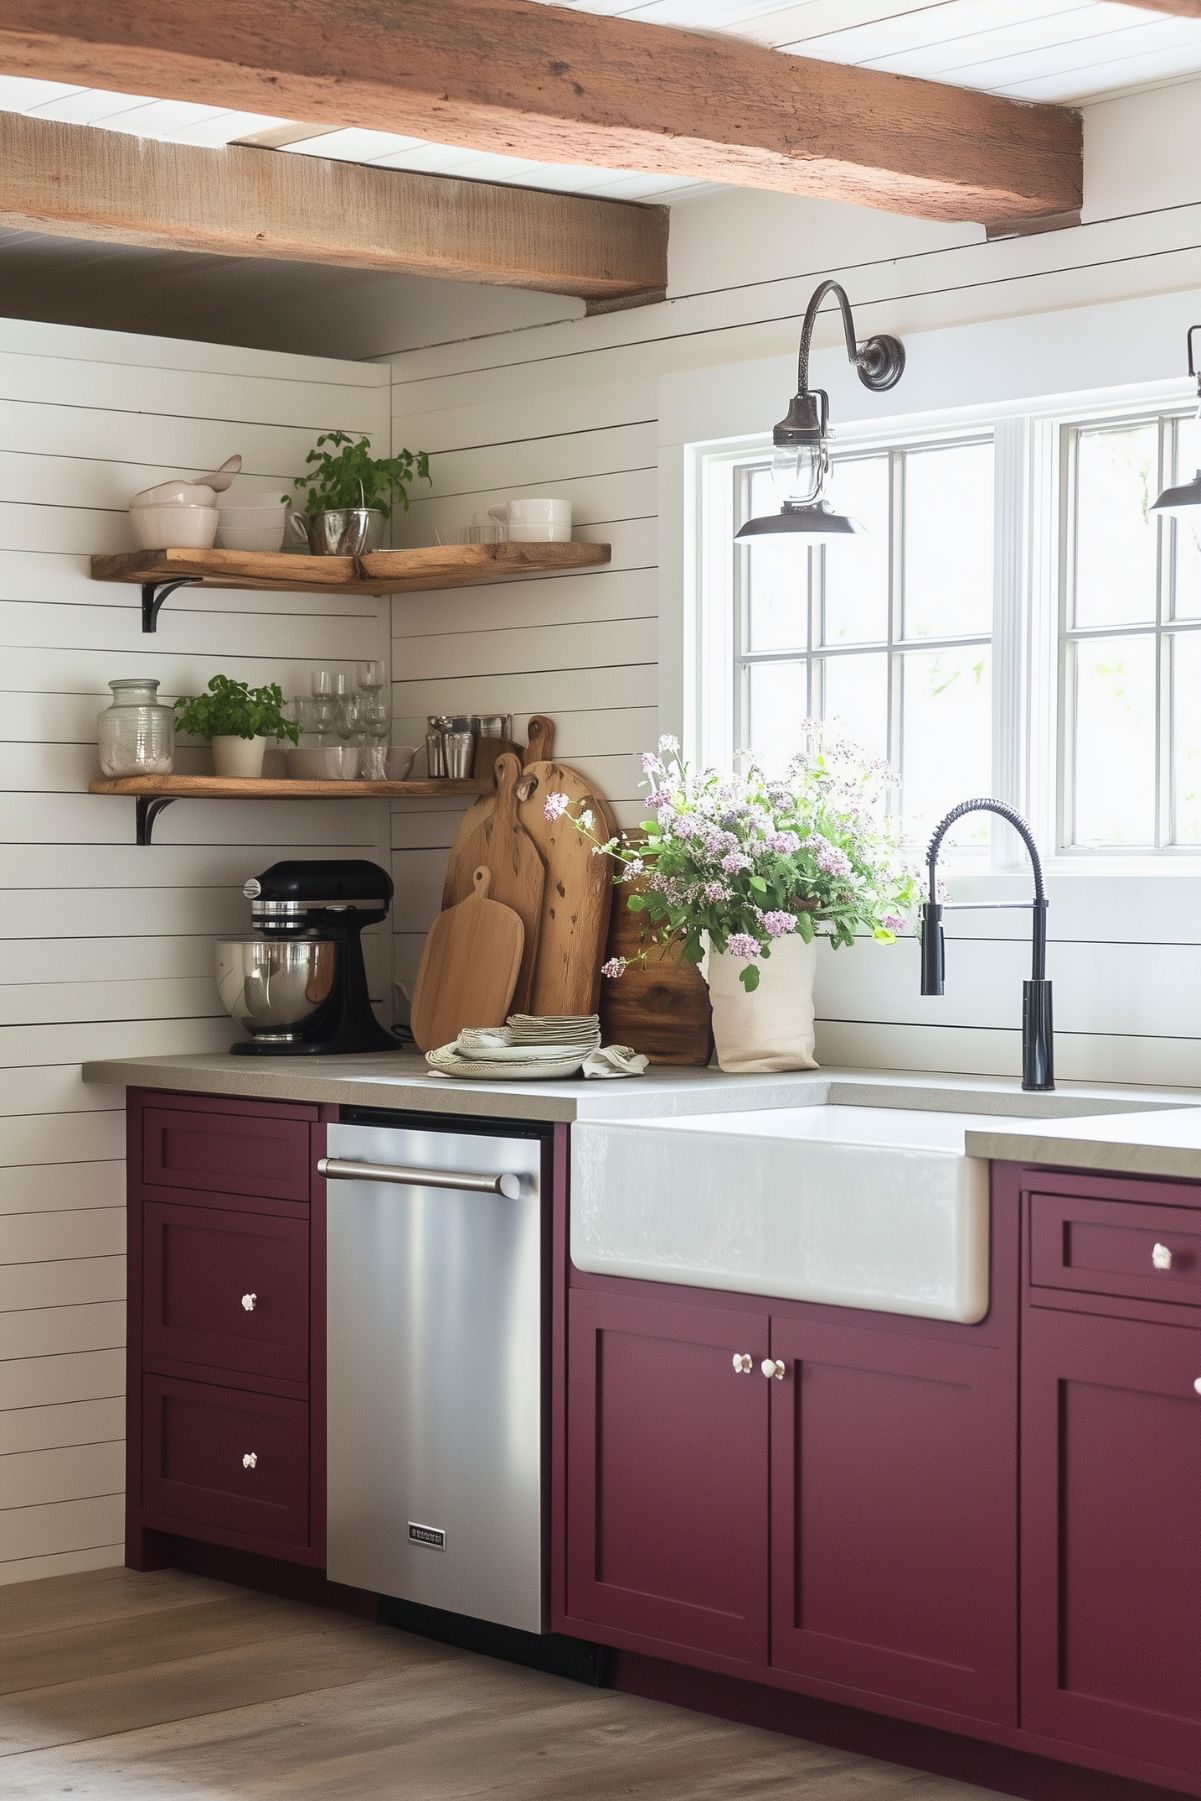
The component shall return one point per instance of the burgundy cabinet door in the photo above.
(1111, 1536)
(667, 1465)
(225, 1291)
(216, 1461)
(894, 1516)
(226, 1153)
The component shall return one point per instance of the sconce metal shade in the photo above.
(817, 523)
(1180, 498)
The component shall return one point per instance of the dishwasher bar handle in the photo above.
(341, 1169)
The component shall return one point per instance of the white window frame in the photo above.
(1030, 595)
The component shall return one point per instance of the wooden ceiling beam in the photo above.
(555, 85)
(1176, 9)
(82, 182)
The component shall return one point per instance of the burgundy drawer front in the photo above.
(196, 1444)
(1116, 1248)
(226, 1152)
(225, 1291)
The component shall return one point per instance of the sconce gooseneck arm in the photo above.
(878, 361)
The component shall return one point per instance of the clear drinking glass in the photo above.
(370, 674)
(376, 718)
(136, 733)
(323, 684)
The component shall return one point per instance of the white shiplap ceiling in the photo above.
(1047, 50)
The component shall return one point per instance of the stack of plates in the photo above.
(527, 1049)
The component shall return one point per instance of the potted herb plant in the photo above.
(239, 722)
(347, 493)
(752, 872)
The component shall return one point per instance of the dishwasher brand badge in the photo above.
(432, 1537)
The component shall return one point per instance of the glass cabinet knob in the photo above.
(250, 1460)
(250, 1302)
(773, 1369)
(744, 1363)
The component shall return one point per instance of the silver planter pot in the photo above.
(341, 531)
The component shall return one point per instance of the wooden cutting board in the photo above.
(497, 840)
(579, 891)
(660, 1006)
(469, 967)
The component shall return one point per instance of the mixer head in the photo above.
(299, 896)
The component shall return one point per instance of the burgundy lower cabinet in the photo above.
(991, 1530)
(1111, 1535)
(669, 1478)
(893, 1520)
(226, 1378)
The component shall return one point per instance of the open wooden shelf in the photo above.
(379, 572)
(213, 787)
(151, 793)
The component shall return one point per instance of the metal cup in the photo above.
(340, 531)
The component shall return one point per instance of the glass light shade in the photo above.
(798, 472)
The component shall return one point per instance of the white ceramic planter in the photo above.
(771, 1029)
(237, 759)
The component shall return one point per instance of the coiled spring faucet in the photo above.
(1038, 1047)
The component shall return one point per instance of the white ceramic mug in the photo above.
(535, 521)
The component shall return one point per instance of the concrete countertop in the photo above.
(1162, 1143)
(1162, 1138)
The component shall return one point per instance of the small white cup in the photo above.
(535, 521)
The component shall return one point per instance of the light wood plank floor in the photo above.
(166, 1687)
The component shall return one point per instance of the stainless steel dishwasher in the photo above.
(436, 1366)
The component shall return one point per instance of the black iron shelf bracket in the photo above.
(147, 808)
(155, 593)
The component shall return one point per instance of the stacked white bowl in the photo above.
(252, 519)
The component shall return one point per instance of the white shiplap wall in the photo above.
(106, 948)
(576, 408)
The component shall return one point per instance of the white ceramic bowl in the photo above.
(254, 531)
(173, 527)
(322, 762)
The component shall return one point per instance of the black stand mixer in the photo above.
(299, 987)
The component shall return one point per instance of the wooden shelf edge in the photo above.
(211, 787)
(380, 572)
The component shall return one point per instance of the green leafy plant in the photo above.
(343, 473)
(235, 710)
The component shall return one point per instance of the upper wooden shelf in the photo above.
(215, 787)
(379, 572)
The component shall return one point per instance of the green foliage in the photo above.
(343, 473)
(234, 710)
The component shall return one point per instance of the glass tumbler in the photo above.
(136, 733)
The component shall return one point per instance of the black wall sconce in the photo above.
(1184, 501)
(801, 463)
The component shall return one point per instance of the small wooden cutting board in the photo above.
(469, 967)
(497, 840)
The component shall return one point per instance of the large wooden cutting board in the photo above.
(497, 840)
(660, 1006)
(469, 967)
(579, 891)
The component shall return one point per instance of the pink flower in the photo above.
(741, 944)
(658, 800)
(778, 925)
(556, 806)
(715, 892)
(783, 843)
(893, 922)
(616, 966)
(734, 862)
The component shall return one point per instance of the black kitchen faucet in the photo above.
(1038, 1048)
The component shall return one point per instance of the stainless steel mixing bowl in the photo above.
(272, 987)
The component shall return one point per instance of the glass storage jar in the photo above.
(136, 734)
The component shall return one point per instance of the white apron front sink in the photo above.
(866, 1207)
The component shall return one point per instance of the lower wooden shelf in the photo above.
(151, 793)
